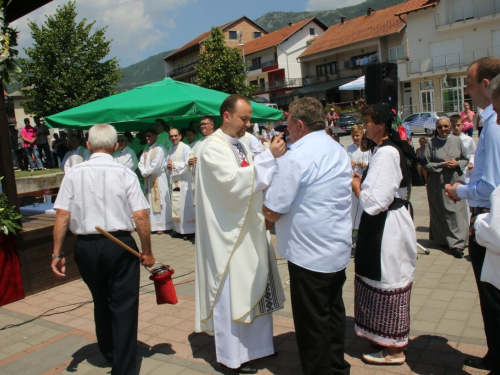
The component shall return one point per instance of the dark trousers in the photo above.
(112, 275)
(489, 298)
(319, 318)
(47, 154)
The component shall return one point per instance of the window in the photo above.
(233, 35)
(326, 69)
(256, 62)
(256, 34)
(254, 83)
(311, 31)
(396, 53)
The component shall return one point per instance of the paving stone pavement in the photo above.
(52, 332)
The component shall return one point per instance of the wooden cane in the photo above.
(118, 242)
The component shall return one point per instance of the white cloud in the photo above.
(330, 4)
(133, 25)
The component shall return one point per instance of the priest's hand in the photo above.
(192, 160)
(269, 224)
(278, 146)
(169, 165)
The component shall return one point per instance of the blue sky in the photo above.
(142, 28)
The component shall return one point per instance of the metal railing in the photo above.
(454, 60)
(262, 65)
(279, 84)
(472, 9)
(183, 69)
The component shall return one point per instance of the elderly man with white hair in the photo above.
(90, 196)
(124, 154)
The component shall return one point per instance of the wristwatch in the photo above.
(61, 255)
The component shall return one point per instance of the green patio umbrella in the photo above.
(178, 103)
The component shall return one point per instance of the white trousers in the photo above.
(237, 343)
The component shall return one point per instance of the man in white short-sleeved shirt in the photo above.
(90, 196)
(310, 200)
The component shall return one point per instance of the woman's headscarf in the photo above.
(388, 117)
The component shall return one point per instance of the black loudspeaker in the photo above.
(381, 83)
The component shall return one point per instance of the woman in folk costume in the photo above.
(386, 251)
(152, 166)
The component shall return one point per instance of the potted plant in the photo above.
(11, 285)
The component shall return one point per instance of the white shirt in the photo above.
(254, 143)
(487, 228)
(485, 176)
(100, 192)
(311, 189)
(126, 157)
(356, 155)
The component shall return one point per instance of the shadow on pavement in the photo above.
(94, 357)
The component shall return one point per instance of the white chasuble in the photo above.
(235, 264)
(181, 191)
(152, 166)
(74, 157)
(126, 157)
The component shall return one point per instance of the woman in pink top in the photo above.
(467, 122)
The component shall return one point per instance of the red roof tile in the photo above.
(380, 23)
(200, 38)
(277, 37)
(417, 7)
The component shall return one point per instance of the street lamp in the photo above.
(243, 51)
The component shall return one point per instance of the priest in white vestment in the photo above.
(207, 128)
(125, 155)
(181, 190)
(237, 281)
(152, 166)
(162, 132)
(78, 155)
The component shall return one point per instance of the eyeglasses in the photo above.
(205, 123)
(443, 127)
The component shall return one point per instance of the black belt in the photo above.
(397, 203)
(478, 210)
(93, 237)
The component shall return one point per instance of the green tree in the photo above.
(66, 65)
(221, 67)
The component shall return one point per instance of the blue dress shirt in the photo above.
(485, 176)
(311, 189)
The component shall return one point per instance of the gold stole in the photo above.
(154, 193)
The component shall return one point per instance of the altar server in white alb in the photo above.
(152, 166)
(181, 191)
(237, 280)
(77, 155)
(125, 155)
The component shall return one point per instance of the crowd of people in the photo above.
(230, 190)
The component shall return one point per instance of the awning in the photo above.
(321, 87)
(358, 84)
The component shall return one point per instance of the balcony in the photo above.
(278, 84)
(469, 9)
(265, 64)
(183, 70)
(445, 62)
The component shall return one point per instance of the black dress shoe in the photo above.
(457, 253)
(245, 368)
(476, 363)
